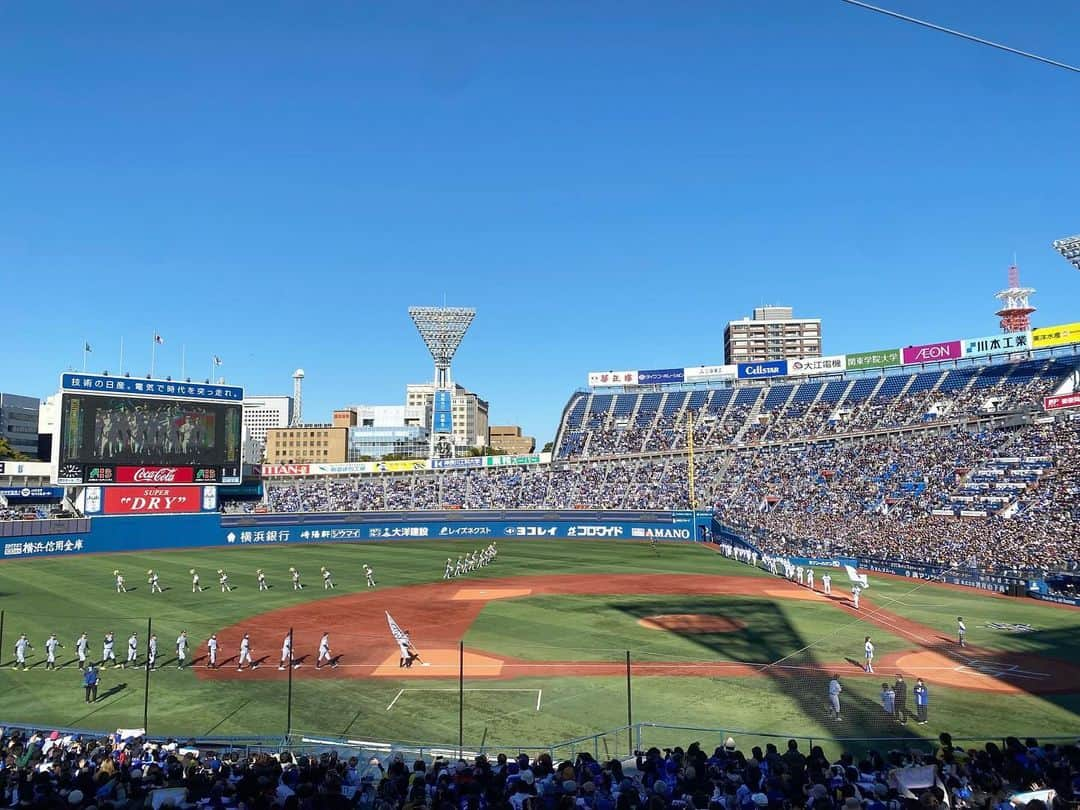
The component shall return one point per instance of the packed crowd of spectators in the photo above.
(49, 770)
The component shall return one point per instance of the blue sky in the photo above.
(607, 183)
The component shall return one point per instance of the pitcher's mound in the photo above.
(691, 623)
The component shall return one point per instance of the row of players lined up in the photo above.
(470, 561)
(154, 580)
(108, 652)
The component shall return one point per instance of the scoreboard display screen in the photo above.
(125, 439)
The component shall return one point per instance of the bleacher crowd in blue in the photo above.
(951, 467)
(64, 772)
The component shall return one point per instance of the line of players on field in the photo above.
(470, 561)
(108, 652)
(154, 580)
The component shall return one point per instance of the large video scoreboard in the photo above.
(117, 430)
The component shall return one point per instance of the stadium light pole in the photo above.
(1069, 248)
(442, 330)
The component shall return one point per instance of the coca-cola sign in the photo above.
(154, 475)
(152, 500)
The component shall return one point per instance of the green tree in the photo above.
(548, 448)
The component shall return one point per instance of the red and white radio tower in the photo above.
(1015, 312)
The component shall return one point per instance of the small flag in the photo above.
(158, 339)
(86, 347)
(217, 360)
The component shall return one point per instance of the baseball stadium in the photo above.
(838, 552)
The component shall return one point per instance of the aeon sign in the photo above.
(933, 352)
(154, 475)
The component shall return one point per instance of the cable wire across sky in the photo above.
(969, 37)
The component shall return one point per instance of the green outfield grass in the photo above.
(70, 595)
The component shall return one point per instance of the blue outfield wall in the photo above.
(162, 532)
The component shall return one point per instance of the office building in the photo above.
(261, 413)
(773, 333)
(468, 411)
(304, 444)
(19, 423)
(508, 439)
(371, 443)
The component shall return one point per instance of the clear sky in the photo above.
(606, 182)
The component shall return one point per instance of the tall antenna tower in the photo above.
(442, 330)
(297, 397)
(1015, 312)
(1069, 248)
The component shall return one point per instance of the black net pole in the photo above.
(288, 709)
(461, 698)
(146, 688)
(629, 701)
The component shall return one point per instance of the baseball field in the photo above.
(546, 632)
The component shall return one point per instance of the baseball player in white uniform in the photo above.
(181, 649)
(195, 586)
(259, 575)
(286, 651)
(51, 644)
(211, 652)
(799, 574)
(296, 584)
(961, 631)
(834, 696)
(223, 579)
(245, 654)
(327, 579)
(449, 569)
(324, 653)
(868, 652)
(151, 653)
(826, 584)
(133, 651)
(108, 649)
(810, 578)
(120, 588)
(81, 644)
(152, 579)
(370, 575)
(22, 646)
(855, 591)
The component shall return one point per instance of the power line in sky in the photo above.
(969, 37)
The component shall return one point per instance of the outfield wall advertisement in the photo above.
(149, 533)
(406, 465)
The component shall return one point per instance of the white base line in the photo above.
(539, 692)
(395, 700)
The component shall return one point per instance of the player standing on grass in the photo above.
(81, 643)
(223, 579)
(296, 584)
(151, 653)
(810, 578)
(328, 579)
(834, 695)
(826, 584)
(370, 575)
(108, 649)
(133, 651)
(259, 575)
(868, 652)
(449, 569)
(51, 643)
(181, 649)
(922, 701)
(961, 631)
(152, 581)
(21, 646)
(195, 586)
(120, 588)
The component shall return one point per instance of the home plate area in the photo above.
(440, 663)
(419, 697)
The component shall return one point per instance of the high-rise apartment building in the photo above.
(772, 334)
(19, 422)
(260, 415)
(469, 412)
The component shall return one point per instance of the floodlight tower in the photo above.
(1069, 248)
(442, 330)
(1015, 312)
